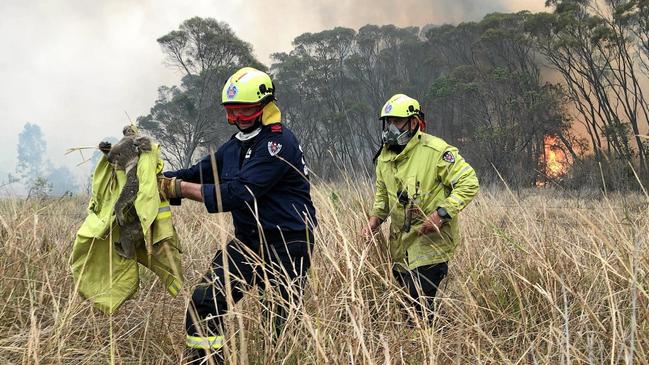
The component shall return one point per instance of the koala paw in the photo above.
(105, 147)
(120, 217)
(123, 251)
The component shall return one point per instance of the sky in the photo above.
(77, 68)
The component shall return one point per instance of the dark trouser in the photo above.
(280, 265)
(421, 284)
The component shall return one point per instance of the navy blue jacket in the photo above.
(265, 177)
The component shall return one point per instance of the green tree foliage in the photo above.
(485, 87)
(188, 116)
(479, 84)
(636, 15)
(490, 100)
(333, 83)
(595, 51)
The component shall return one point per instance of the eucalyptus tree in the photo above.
(188, 116)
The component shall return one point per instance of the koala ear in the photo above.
(129, 130)
(143, 143)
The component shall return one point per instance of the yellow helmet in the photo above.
(248, 86)
(401, 105)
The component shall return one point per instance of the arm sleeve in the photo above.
(198, 173)
(381, 207)
(257, 177)
(456, 174)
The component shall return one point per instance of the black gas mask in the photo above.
(396, 139)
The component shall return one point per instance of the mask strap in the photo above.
(421, 123)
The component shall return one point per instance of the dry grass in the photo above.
(540, 278)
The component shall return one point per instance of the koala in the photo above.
(124, 155)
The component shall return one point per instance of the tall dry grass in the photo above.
(541, 277)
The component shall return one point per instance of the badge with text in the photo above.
(274, 148)
(448, 157)
(232, 91)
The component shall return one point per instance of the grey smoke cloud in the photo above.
(272, 25)
(74, 66)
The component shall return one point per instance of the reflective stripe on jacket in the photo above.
(434, 173)
(101, 275)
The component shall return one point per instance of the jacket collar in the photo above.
(271, 114)
(247, 136)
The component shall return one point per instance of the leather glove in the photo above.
(105, 147)
(169, 187)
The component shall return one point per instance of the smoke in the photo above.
(62, 181)
(271, 25)
(74, 67)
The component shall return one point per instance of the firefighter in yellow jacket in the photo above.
(422, 184)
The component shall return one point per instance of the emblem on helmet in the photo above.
(388, 108)
(232, 91)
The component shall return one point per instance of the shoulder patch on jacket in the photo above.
(448, 157)
(276, 128)
(274, 147)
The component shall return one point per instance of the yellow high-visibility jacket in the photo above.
(435, 175)
(104, 277)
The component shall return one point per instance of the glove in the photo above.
(169, 187)
(105, 147)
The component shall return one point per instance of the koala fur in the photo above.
(124, 155)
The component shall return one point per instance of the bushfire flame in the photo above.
(556, 161)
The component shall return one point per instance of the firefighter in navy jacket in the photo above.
(262, 179)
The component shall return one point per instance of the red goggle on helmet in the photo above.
(243, 112)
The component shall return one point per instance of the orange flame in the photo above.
(556, 161)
